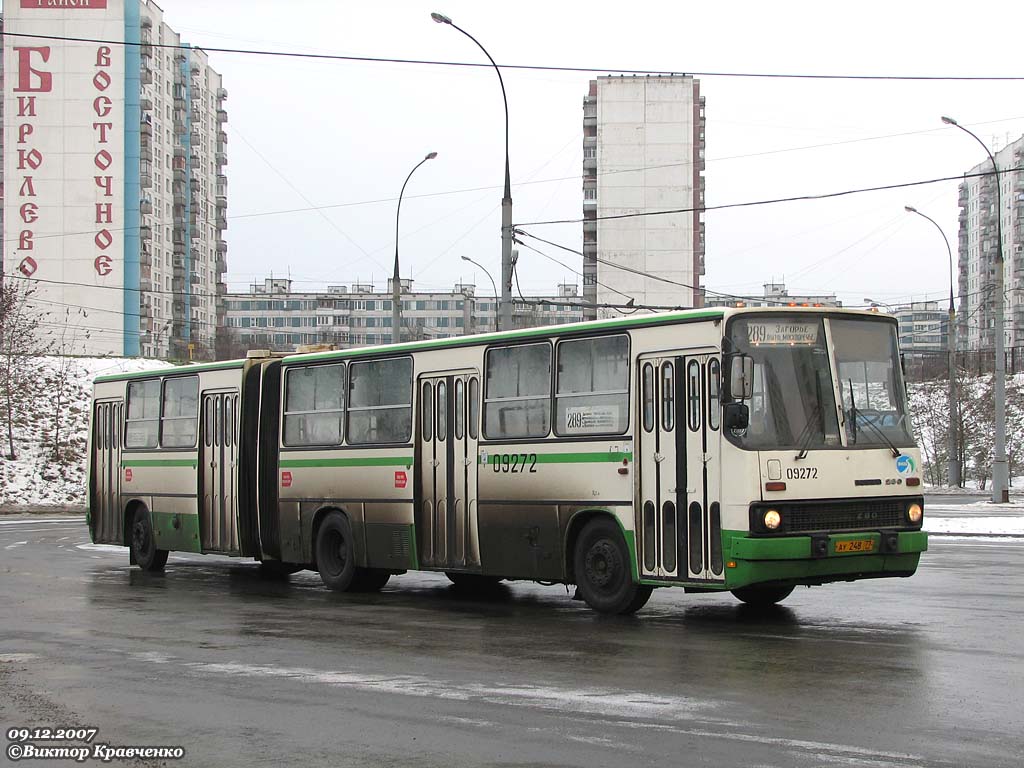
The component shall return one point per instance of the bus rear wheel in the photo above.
(335, 552)
(143, 543)
(762, 597)
(601, 563)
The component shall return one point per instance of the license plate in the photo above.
(855, 545)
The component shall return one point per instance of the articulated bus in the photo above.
(743, 450)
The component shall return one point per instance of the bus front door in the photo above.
(699, 382)
(106, 458)
(446, 482)
(679, 520)
(218, 440)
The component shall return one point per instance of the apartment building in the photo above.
(643, 153)
(273, 315)
(978, 250)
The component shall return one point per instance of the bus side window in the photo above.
(693, 375)
(668, 396)
(648, 397)
(517, 395)
(442, 410)
(380, 401)
(474, 407)
(180, 410)
(460, 408)
(143, 423)
(428, 411)
(714, 386)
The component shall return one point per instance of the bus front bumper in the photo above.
(822, 558)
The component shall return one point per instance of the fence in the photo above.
(925, 366)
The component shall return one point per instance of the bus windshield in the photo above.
(794, 393)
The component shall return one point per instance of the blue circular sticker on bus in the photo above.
(904, 465)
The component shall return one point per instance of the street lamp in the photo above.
(493, 288)
(1000, 469)
(877, 303)
(506, 201)
(953, 459)
(396, 283)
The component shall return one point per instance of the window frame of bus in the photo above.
(155, 444)
(193, 417)
(349, 408)
(343, 410)
(569, 395)
(485, 400)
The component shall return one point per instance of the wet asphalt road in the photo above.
(242, 672)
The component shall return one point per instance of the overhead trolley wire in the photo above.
(533, 67)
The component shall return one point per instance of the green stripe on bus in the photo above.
(159, 463)
(568, 458)
(367, 461)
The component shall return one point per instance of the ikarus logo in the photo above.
(905, 465)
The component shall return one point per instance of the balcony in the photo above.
(146, 206)
(222, 93)
(146, 154)
(221, 158)
(222, 248)
(146, 128)
(222, 223)
(145, 180)
(145, 233)
(222, 115)
(146, 75)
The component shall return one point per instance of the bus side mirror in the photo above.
(736, 416)
(741, 377)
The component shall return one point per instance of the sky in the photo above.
(318, 150)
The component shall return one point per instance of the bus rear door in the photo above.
(106, 461)
(218, 479)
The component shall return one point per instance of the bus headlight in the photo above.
(915, 513)
(772, 519)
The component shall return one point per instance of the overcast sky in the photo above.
(341, 136)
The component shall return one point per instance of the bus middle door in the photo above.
(659, 464)
(447, 472)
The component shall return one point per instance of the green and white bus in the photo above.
(748, 450)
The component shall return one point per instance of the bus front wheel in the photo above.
(601, 563)
(335, 553)
(760, 596)
(143, 543)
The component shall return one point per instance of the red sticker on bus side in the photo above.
(400, 479)
(128, 475)
(286, 479)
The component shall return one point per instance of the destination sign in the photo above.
(777, 333)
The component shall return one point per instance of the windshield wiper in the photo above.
(804, 439)
(867, 422)
(878, 431)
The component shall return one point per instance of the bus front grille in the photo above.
(831, 516)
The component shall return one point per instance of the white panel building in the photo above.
(643, 151)
(978, 249)
(114, 197)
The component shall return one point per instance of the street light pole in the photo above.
(506, 201)
(493, 288)
(396, 283)
(953, 458)
(1000, 468)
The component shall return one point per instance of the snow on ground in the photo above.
(39, 475)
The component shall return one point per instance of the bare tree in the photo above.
(23, 339)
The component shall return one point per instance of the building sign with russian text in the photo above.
(64, 170)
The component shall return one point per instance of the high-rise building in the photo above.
(271, 315)
(643, 153)
(115, 198)
(978, 251)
